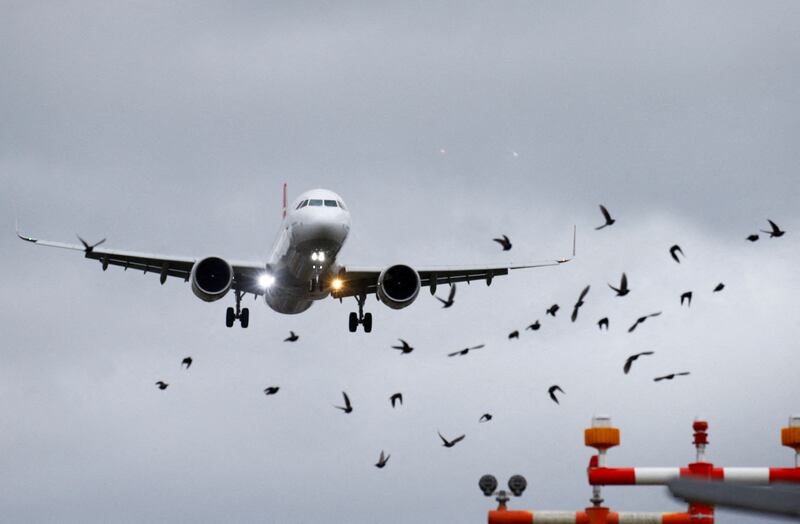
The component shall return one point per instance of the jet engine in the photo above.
(211, 278)
(398, 286)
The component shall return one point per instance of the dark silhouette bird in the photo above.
(579, 303)
(162, 385)
(486, 417)
(642, 319)
(623, 288)
(552, 310)
(347, 408)
(465, 350)
(632, 358)
(674, 250)
(513, 334)
(291, 338)
(382, 460)
(186, 362)
(271, 390)
(603, 323)
(397, 397)
(719, 287)
(535, 326)
(405, 348)
(451, 443)
(688, 298)
(449, 302)
(775, 231)
(752, 238)
(505, 242)
(671, 376)
(609, 221)
(552, 392)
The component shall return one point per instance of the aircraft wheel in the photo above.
(367, 322)
(229, 317)
(245, 317)
(353, 323)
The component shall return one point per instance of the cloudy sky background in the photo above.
(170, 129)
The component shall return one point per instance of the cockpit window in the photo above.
(330, 203)
(314, 202)
(304, 203)
(341, 204)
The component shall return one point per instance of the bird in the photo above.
(162, 385)
(505, 242)
(513, 334)
(271, 390)
(629, 361)
(552, 392)
(552, 310)
(449, 302)
(609, 221)
(397, 397)
(465, 350)
(670, 376)
(405, 348)
(687, 297)
(382, 460)
(752, 238)
(579, 303)
(186, 362)
(603, 322)
(347, 408)
(775, 231)
(535, 326)
(719, 287)
(642, 319)
(292, 337)
(450, 443)
(623, 288)
(486, 417)
(674, 250)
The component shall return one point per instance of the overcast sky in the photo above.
(170, 127)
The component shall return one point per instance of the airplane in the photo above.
(301, 269)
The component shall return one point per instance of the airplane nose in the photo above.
(323, 233)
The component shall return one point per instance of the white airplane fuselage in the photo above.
(303, 259)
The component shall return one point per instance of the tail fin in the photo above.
(285, 202)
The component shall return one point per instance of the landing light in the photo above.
(337, 284)
(266, 280)
(314, 255)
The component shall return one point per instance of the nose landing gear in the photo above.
(365, 319)
(241, 314)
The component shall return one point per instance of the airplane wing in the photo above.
(245, 274)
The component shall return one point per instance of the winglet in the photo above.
(285, 203)
(23, 237)
(574, 242)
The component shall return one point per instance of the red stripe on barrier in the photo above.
(784, 474)
(612, 476)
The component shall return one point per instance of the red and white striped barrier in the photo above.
(662, 476)
(585, 517)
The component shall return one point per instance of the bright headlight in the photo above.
(337, 284)
(266, 280)
(314, 255)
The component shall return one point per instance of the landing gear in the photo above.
(365, 319)
(241, 314)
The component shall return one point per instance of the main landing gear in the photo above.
(241, 314)
(365, 319)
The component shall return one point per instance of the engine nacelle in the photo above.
(211, 278)
(398, 286)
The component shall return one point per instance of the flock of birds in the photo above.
(620, 290)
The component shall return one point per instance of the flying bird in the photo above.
(775, 231)
(579, 303)
(632, 358)
(513, 334)
(674, 250)
(405, 348)
(603, 323)
(552, 392)
(719, 287)
(505, 242)
(486, 417)
(752, 238)
(292, 337)
(162, 385)
(449, 302)
(535, 326)
(670, 376)
(688, 298)
(609, 221)
(186, 362)
(465, 350)
(451, 443)
(552, 310)
(397, 397)
(382, 460)
(642, 319)
(271, 390)
(347, 408)
(623, 289)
